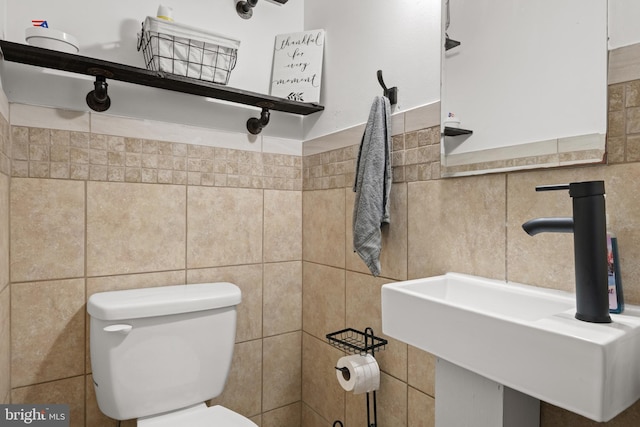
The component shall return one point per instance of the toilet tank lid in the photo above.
(162, 301)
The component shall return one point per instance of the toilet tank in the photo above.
(155, 350)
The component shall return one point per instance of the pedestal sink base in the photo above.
(466, 399)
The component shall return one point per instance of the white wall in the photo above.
(3, 25)
(400, 37)
(3, 18)
(624, 16)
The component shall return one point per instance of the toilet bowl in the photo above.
(157, 354)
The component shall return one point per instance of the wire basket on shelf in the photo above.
(187, 51)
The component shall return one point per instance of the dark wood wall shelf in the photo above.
(31, 55)
(449, 131)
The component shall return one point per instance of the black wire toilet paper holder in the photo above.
(353, 341)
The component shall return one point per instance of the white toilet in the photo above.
(158, 354)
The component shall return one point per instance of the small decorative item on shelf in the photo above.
(165, 12)
(297, 66)
(452, 121)
(187, 51)
(40, 35)
(452, 126)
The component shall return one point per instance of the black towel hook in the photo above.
(391, 93)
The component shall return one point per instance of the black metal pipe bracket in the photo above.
(245, 8)
(255, 125)
(98, 99)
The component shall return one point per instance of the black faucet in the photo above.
(589, 229)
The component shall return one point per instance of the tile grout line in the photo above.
(506, 226)
(86, 291)
(262, 308)
(10, 284)
(186, 233)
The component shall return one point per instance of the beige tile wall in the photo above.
(64, 154)
(415, 156)
(93, 213)
(5, 289)
(624, 122)
(5, 145)
(130, 239)
(48, 334)
(469, 225)
(227, 227)
(5, 345)
(47, 225)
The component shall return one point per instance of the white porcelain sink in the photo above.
(523, 337)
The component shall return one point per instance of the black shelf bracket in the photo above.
(449, 131)
(98, 99)
(450, 43)
(245, 8)
(255, 125)
(102, 70)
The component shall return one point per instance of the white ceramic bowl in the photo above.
(452, 122)
(49, 38)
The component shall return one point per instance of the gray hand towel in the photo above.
(373, 184)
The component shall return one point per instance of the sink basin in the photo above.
(523, 337)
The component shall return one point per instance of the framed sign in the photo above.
(297, 66)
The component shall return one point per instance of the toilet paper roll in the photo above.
(357, 373)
